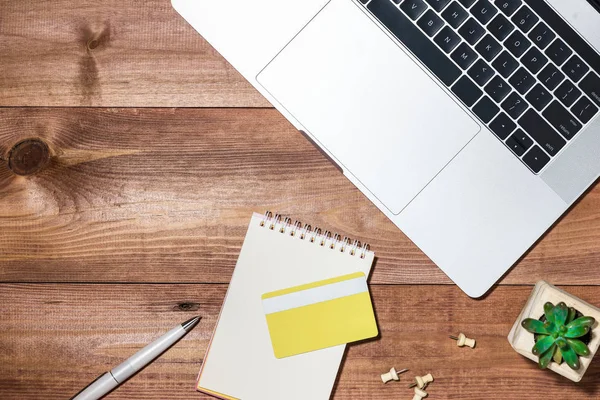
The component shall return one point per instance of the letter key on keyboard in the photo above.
(415, 40)
(528, 75)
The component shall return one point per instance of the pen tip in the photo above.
(191, 323)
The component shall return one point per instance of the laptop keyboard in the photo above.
(516, 64)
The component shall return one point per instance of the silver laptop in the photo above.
(472, 124)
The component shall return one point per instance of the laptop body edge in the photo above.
(478, 232)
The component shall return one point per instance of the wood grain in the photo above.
(57, 338)
(132, 195)
(136, 223)
(117, 53)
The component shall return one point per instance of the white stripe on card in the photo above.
(315, 295)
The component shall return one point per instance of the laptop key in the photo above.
(585, 110)
(514, 105)
(430, 23)
(467, 3)
(541, 35)
(534, 60)
(525, 19)
(591, 86)
(481, 73)
(567, 93)
(488, 47)
(523, 139)
(575, 68)
(538, 129)
(484, 11)
(464, 56)
(414, 8)
(500, 27)
(497, 89)
(502, 126)
(522, 81)
(467, 91)
(513, 143)
(517, 44)
(438, 5)
(471, 31)
(539, 97)
(505, 64)
(508, 7)
(455, 15)
(486, 109)
(562, 120)
(558, 52)
(536, 159)
(447, 39)
(415, 40)
(565, 31)
(551, 77)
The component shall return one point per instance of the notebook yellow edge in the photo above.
(312, 285)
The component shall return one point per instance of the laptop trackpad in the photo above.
(365, 101)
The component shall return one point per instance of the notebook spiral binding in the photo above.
(284, 226)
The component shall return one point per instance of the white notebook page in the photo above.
(240, 363)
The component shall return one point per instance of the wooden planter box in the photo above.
(523, 341)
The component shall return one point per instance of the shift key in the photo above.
(591, 86)
(545, 135)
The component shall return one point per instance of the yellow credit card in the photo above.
(320, 315)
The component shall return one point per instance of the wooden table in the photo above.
(159, 152)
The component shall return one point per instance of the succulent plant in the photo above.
(557, 337)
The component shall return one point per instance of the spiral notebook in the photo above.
(276, 254)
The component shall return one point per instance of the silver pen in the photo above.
(107, 382)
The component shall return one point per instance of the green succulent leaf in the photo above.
(562, 343)
(542, 345)
(560, 312)
(571, 358)
(557, 356)
(548, 312)
(562, 330)
(535, 326)
(547, 357)
(577, 331)
(583, 321)
(579, 347)
(571, 316)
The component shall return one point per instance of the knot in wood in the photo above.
(188, 306)
(28, 157)
(92, 44)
